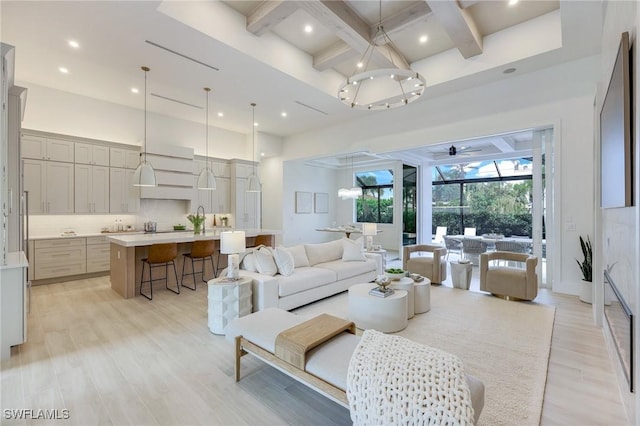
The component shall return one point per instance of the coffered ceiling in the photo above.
(258, 51)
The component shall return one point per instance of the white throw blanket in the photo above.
(394, 381)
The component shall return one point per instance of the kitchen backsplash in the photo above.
(165, 213)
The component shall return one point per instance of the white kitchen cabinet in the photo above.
(98, 254)
(39, 148)
(60, 257)
(14, 302)
(86, 153)
(123, 196)
(91, 189)
(50, 186)
(245, 206)
(124, 158)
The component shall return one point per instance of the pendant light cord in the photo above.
(253, 133)
(144, 140)
(207, 90)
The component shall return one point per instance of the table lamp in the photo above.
(233, 243)
(369, 230)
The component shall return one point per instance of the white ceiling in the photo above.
(273, 65)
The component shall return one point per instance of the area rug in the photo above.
(505, 344)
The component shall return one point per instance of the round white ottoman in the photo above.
(385, 314)
(407, 285)
(422, 296)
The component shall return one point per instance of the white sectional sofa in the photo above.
(307, 272)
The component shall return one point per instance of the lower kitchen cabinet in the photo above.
(98, 259)
(60, 257)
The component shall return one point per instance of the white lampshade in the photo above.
(356, 192)
(207, 180)
(144, 175)
(253, 184)
(369, 229)
(232, 242)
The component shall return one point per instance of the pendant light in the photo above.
(253, 182)
(206, 179)
(355, 191)
(144, 174)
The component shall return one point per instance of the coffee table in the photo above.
(406, 284)
(385, 314)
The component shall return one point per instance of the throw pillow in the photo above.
(353, 250)
(264, 261)
(323, 252)
(299, 254)
(249, 262)
(284, 261)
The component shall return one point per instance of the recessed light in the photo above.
(423, 39)
(74, 44)
(509, 70)
(513, 2)
(255, 124)
(283, 113)
(135, 90)
(262, 154)
(221, 114)
(63, 70)
(308, 29)
(359, 64)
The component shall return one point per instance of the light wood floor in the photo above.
(114, 361)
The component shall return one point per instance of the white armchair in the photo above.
(510, 282)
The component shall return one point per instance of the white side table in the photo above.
(383, 255)
(407, 285)
(422, 296)
(461, 274)
(228, 301)
(386, 314)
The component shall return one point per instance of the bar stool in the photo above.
(160, 255)
(200, 250)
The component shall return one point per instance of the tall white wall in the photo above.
(55, 111)
(618, 241)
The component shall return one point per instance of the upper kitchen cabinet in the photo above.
(124, 197)
(97, 155)
(39, 148)
(124, 158)
(245, 206)
(50, 186)
(91, 189)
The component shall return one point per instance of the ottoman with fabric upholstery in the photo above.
(327, 365)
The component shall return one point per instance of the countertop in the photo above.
(15, 259)
(82, 235)
(178, 237)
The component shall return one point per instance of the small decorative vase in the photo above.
(197, 229)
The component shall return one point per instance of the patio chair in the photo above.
(512, 283)
(451, 243)
(513, 246)
(441, 231)
(472, 248)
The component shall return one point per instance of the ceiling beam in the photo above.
(268, 14)
(339, 18)
(504, 144)
(412, 15)
(333, 56)
(459, 25)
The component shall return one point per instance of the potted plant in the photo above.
(197, 221)
(586, 267)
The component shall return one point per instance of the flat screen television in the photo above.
(616, 149)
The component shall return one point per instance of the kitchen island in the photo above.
(127, 252)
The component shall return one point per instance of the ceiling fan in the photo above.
(462, 150)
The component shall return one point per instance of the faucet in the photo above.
(204, 225)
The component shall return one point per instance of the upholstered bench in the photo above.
(326, 365)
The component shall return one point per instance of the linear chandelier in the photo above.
(376, 89)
